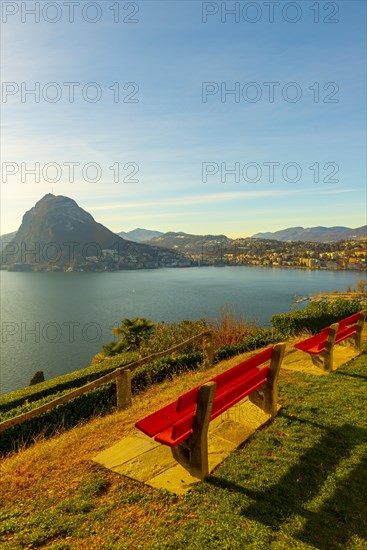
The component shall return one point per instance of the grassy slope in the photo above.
(298, 483)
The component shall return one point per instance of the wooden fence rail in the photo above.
(122, 375)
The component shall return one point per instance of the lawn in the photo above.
(298, 483)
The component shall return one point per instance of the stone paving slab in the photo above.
(143, 459)
(300, 361)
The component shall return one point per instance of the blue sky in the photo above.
(297, 158)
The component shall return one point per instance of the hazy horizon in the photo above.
(218, 232)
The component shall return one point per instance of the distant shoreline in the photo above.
(30, 268)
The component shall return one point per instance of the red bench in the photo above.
(183, 425)
(321, 346)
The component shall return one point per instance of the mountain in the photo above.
(181, 239)
(315, 234)
(190, 244)
(7, 238)
(56, 232)
(139, 235)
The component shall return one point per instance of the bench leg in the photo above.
(325, 359)
(267, 397)
(193, 453)
(317, 361)
(329, 347)
(358, 334)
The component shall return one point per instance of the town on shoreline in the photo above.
(341, 255)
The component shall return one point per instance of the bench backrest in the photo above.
(348, 327)
(352, 319)
(232, 386)
(316, 342)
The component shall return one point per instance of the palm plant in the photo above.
(132, 333)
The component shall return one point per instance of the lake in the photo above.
(56, 322)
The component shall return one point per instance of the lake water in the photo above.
(56, 322)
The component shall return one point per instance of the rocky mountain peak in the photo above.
(57, 231)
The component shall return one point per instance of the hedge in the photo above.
(69, 381)
(314, 317)
(258, 339)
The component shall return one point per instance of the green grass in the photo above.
(298, 483)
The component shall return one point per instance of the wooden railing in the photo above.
(122, 375)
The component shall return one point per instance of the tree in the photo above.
(38, 377)
(361, 285)
(133, 331)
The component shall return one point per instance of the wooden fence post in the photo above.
(123, 390)
(208, 350)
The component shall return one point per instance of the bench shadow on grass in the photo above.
(339, 517)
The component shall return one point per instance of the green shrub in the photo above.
(37, 378)
(314, 317)
(259, 339)
(166, 336)
(164, 369)
(114, 348)
(132, 333)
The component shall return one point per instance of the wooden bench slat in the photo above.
(349, 320)
(158, 421)
(236, 393)
(166, 437)
(232, 375)
(345, 333)
(312, 343)
(187, 400)
(231, 394)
